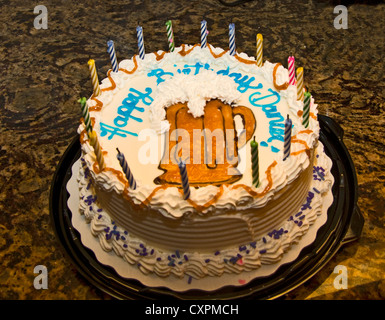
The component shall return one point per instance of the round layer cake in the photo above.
(206, 109)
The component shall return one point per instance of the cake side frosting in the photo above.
(267, 249)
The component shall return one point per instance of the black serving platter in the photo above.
(344, 224)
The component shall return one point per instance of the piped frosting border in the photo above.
(269, 249)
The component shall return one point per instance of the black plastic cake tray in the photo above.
(344, 224)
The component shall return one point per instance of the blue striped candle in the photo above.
(184, 177)
(203, 34)
(111, 52)
(287, 138)
(126, 169)
(232, 39)
(139, 33)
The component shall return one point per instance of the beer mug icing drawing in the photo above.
(201, 131)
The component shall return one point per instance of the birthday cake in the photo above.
(197, 162)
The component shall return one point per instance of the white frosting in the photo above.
(196, 90)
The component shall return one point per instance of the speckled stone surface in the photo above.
(44, 72)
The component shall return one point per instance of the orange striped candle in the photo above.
(259, 49)
(94, 77)
(300, 84)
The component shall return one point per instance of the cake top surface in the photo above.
(150, 108)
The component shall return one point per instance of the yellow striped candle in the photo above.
(259, 49)
(94, 77)
(300, 83)
(98, 151)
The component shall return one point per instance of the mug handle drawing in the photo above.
(249, 123)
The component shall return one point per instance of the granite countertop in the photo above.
(44, 72)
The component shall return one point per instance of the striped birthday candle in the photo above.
(259, 50)
(170, 36)
(232, 39)
(139, 34)
(287, 138)
(126, 169)
(300, 83)
(184, 178)
(306, 109)
(203, 34)
(255, 162)
(111, 52)
(94, 77)
(291, 68)
(86, 114)
(97, 149)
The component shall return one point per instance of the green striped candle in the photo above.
(170, 35)
(86, 115)
(255, 162)
(306, 109)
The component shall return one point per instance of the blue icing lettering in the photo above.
(274, 149)
(224, 72)
(263, 144)
(184, 71)
(244, 82)
(276, 125)
(105, 129)
(125, 111)
(187, 69)
(159, 74)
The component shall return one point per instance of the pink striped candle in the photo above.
(291, 68)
